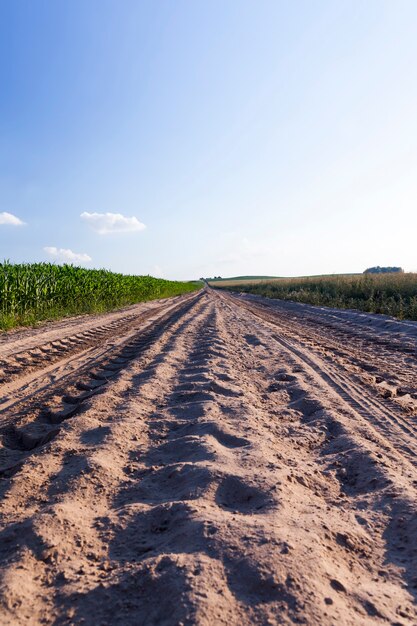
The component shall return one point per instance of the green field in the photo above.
(240, 278)
(39, 291)
(393, 294)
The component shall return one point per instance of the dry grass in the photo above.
(392, 294)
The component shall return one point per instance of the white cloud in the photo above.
(106, 223)
(9, 218)
(67, 255)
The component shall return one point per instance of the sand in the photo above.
(210, 459)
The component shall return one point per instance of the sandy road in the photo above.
(213, 459)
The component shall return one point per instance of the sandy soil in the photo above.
(211, 459)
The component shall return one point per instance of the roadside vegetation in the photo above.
(40, 291)
(393, 294)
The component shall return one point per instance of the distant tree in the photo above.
(384, 270)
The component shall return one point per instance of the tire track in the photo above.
(377, 352)
(386, 416)
(26, 424)
(43, 355)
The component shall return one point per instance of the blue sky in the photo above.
(193, 138)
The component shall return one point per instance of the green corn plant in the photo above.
(39, 291)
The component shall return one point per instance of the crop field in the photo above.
(241, 279)
(391, 294)
(38, 291)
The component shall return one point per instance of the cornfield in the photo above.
(36, 291)
(392, 294)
